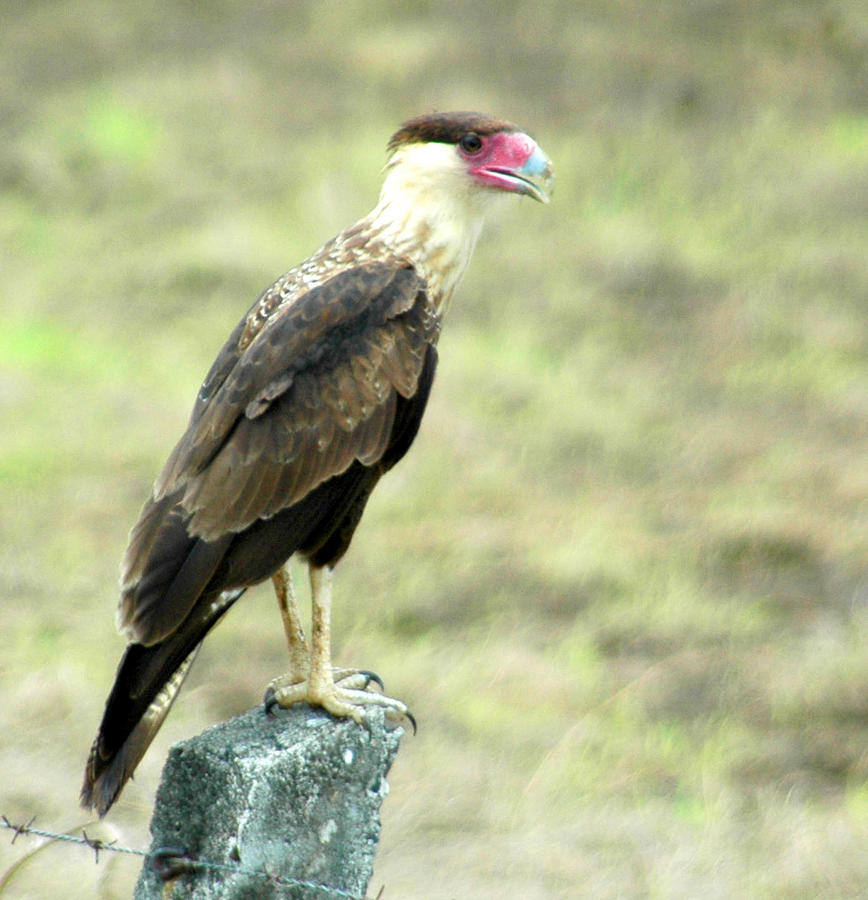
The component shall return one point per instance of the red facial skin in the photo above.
(507, 161)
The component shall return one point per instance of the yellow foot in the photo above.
(344, 695)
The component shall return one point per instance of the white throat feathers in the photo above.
(431, 213)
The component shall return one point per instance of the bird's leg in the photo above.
(299, 658)
(321, 687)
(341, 692)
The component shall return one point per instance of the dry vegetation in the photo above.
(621, 580)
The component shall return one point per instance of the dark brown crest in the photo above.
(446, 128)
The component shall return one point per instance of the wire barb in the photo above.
(95, 844)
(172, 862)
(18, 829)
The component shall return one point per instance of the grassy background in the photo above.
(621, 580)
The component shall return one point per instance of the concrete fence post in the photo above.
(273, 807)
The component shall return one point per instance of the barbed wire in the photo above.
(172, 862)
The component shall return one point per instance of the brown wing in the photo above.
(313, 391)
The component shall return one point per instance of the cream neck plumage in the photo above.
(430, 213)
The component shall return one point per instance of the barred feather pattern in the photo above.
(107, 772)
(314, 391)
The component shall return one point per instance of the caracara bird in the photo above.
(317, 393)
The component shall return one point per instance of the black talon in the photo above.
(372, 677)
(410, 716)
(269, 701)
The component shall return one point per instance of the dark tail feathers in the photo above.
(146, 684)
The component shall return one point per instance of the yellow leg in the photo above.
(321, 679)
(345, 699)
(299, 658)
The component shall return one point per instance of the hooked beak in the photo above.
(535, 178)
(515, 163)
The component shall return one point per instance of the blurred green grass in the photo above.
(621, 580)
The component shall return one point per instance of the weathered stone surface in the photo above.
(295, 795)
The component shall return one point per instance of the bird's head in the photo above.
(443, 173)
(470, 155)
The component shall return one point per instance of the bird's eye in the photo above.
(471, 142)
